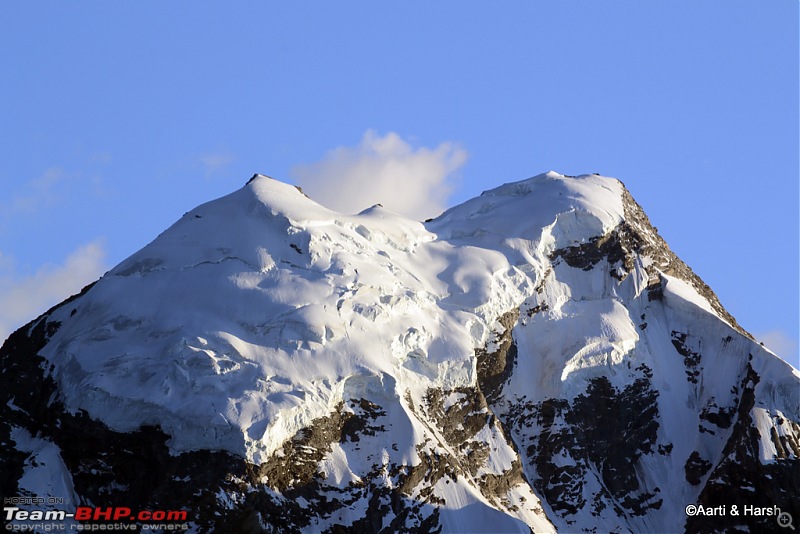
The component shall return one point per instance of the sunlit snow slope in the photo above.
(535, 358)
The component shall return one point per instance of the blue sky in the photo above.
(116, 118)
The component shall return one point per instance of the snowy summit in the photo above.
(535, 358)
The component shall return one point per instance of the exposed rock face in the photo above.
(602, 433)
(742, 479)
(603, 387)
(494, 369)
(637, 237)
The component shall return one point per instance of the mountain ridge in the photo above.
(523, 361)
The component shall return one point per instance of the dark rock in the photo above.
(495, 369)
(696, 467)
(741, 478)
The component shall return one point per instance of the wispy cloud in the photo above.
(40, 193)
(781, 344)
(387, 170)
(216, 162)
(23, 296)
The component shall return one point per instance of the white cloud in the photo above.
(24, 296)
(387, 170)
(781, 344)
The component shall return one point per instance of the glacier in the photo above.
(534, 359)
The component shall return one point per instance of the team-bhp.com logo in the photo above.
(121, 513)
(94, 518)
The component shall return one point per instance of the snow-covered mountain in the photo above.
(535, 359)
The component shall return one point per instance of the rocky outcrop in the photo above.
(743, 479)
(601, 434)
(636, 236)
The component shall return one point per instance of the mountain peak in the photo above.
(534, 358)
